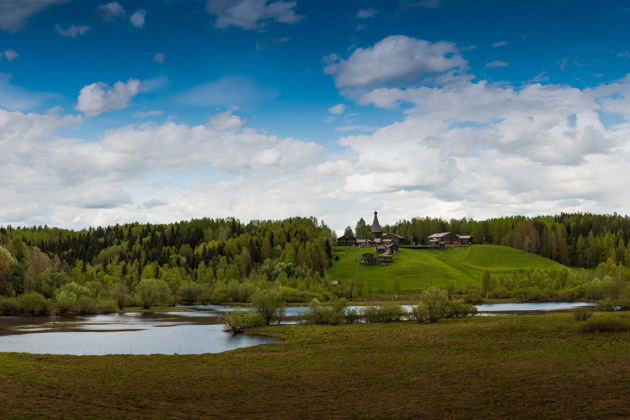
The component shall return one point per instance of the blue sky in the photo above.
(162, 110)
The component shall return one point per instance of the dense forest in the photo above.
(577, 240)
(52, 270)
(205, 260)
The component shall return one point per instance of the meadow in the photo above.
(483, 367)
(419, 269)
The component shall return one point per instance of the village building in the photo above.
(347, 240)
(440, 240)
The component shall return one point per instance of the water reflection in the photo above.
(169, 333)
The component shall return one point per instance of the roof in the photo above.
(393, 234)
(465, 236)
(346, 236)
(376, 227)
(439, 235)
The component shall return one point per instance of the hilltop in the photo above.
(420, 269)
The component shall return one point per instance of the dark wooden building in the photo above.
(347, 240)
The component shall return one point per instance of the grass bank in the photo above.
(483, 367)
(418, 269)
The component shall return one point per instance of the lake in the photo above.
(131, 333)
(169, 332)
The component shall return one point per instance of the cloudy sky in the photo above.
(167, 110)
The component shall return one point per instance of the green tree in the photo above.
(486, 282)
(268, 305)
(433, 305)
(153, 292)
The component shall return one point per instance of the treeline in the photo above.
(203, 260)
(578, 240)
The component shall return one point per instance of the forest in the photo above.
(576, 240)
(43, 270)
(46, 270)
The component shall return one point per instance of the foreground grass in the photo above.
(485, 367)
(419, 269)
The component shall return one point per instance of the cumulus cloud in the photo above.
(110, 11)
(72, 31)
(10, 55)
(395, 60)
(251, 14)
(98, 97)
(159, 57)
(137, 19)
(15, 13)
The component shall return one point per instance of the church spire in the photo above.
(376, 227)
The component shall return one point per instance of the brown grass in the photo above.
(486, 367)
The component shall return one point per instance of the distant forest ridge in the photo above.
(44, 269)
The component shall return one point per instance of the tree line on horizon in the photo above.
(201, 260)
(579, 239)
(53, 270)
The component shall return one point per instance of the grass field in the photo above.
(526, 367)
(419, 269)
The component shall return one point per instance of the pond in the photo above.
(132, 333)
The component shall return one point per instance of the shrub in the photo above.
(269, 306)
(459, 310)
(331, 314)
(604, 324)
(153, 292)
(385, 313)
(582, 314)
(614, 305)
(237, 320)
(85, 305)
(473, 297)
(32, 304)
(435, 302)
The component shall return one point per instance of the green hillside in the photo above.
(419, 269)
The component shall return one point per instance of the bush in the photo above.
(604, 324)
(459, 310)
(435, 302)
(331, 315)
(269, 306)
(385, 313)
(473, 297)
(582, 314)
(237, 320)
(153, 292)
(609, 305)
(31, 303)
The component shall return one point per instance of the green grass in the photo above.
(525, 367)
(420, 269)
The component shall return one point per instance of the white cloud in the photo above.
(498, 44)
(366, 13)
(251, 14)
(137, 19)
(110, 11)
(155, 113)
(394, 60)
(337, 109)
(98, 97)
(15, 13)
(11, 55)
(159, 57)
(496, 63)
(72, 31)
(16, 98)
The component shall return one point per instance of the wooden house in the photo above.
(347, 240)
(465, 240)
(368, 259)
(393, 238)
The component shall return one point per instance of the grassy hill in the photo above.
(419, 269)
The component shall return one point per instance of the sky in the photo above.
(158, 111)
